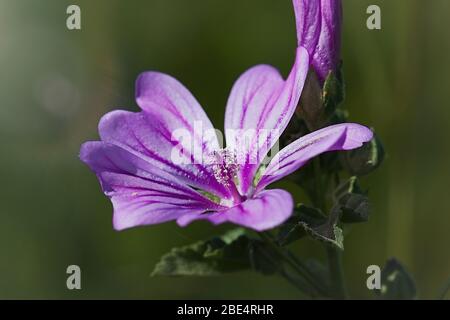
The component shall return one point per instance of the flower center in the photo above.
(225, 168)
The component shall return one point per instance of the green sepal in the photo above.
(352, 201)
(333, 93)
(364, 160)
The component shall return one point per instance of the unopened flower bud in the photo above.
(319, 25)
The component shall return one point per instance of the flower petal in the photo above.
(345, 136)
(145, 211)
(151, 139)
(308, 21)
(166, 99)
(327, 54)
(141, 193)
(177, 113)
(258, 110)
(213, 217)
(264, 211)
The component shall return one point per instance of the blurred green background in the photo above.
(55, 84)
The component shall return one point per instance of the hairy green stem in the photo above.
(300, 285)
(300, 269)
(334, 254)
(303, 287)
(336, 273)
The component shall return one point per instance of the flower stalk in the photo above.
(336, 270)
(314, 283)
(334, 255)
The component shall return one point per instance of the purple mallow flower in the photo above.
(134, 159)
(319, 31)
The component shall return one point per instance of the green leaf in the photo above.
(364, 160)
(352, 201)
(330, 234)
(296, 227)
(312, 222)
(232, 252)
(228, 253)
(396, 282)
